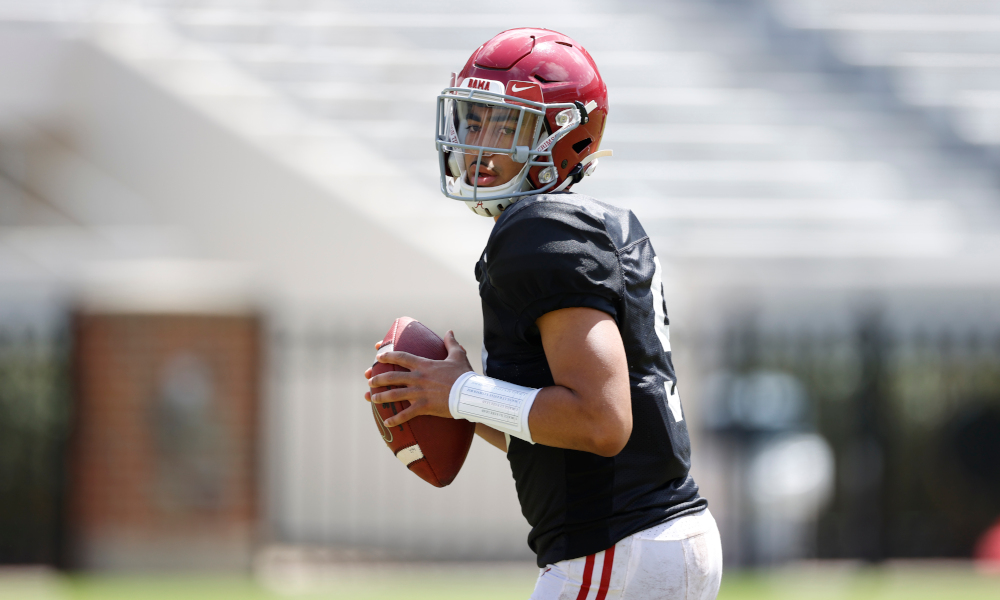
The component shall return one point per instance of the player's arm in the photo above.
(588, 408)
(494, 437)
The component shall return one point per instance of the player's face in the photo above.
(495, 127)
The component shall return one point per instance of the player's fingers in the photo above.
(415, 409)
(403, 359)
(394, 378)
(368, 396)
(368, 373)
(452, 345)
(378, 344)
(393, 395)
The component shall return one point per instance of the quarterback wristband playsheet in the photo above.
(497, 404)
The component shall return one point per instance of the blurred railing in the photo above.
(333, 483)
(910, 423)
(34, 415)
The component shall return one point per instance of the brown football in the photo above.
(432, 447)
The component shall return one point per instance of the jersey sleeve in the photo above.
(553, 256)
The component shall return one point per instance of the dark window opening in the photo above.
(581, 145)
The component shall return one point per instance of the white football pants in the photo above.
(677, 560)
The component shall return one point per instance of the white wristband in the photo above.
(498, 404)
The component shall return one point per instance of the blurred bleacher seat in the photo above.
(940, 55)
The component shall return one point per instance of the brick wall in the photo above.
(163, 461)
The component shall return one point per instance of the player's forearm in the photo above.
(598, 422)
(494, 437)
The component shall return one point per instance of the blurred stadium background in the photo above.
(196, 198)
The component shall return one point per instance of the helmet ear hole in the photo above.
(581, 145)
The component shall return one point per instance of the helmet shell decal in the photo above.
(487, 85)
(526, 90)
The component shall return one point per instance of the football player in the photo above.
(578, 387)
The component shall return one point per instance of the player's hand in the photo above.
(426, 386)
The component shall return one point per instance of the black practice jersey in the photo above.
(565, 250)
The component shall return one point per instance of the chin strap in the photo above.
(592, 157)
(583, 168)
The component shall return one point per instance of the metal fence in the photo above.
(34, 417)
(332, 481)
(912, 420)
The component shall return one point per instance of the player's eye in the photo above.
(509, 130)
(474, 128)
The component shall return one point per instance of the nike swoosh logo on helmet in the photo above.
(514, 87)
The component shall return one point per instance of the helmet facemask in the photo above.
(477, 127)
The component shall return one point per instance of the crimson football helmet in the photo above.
(533, 95)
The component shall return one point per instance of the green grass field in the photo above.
(824, 582)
